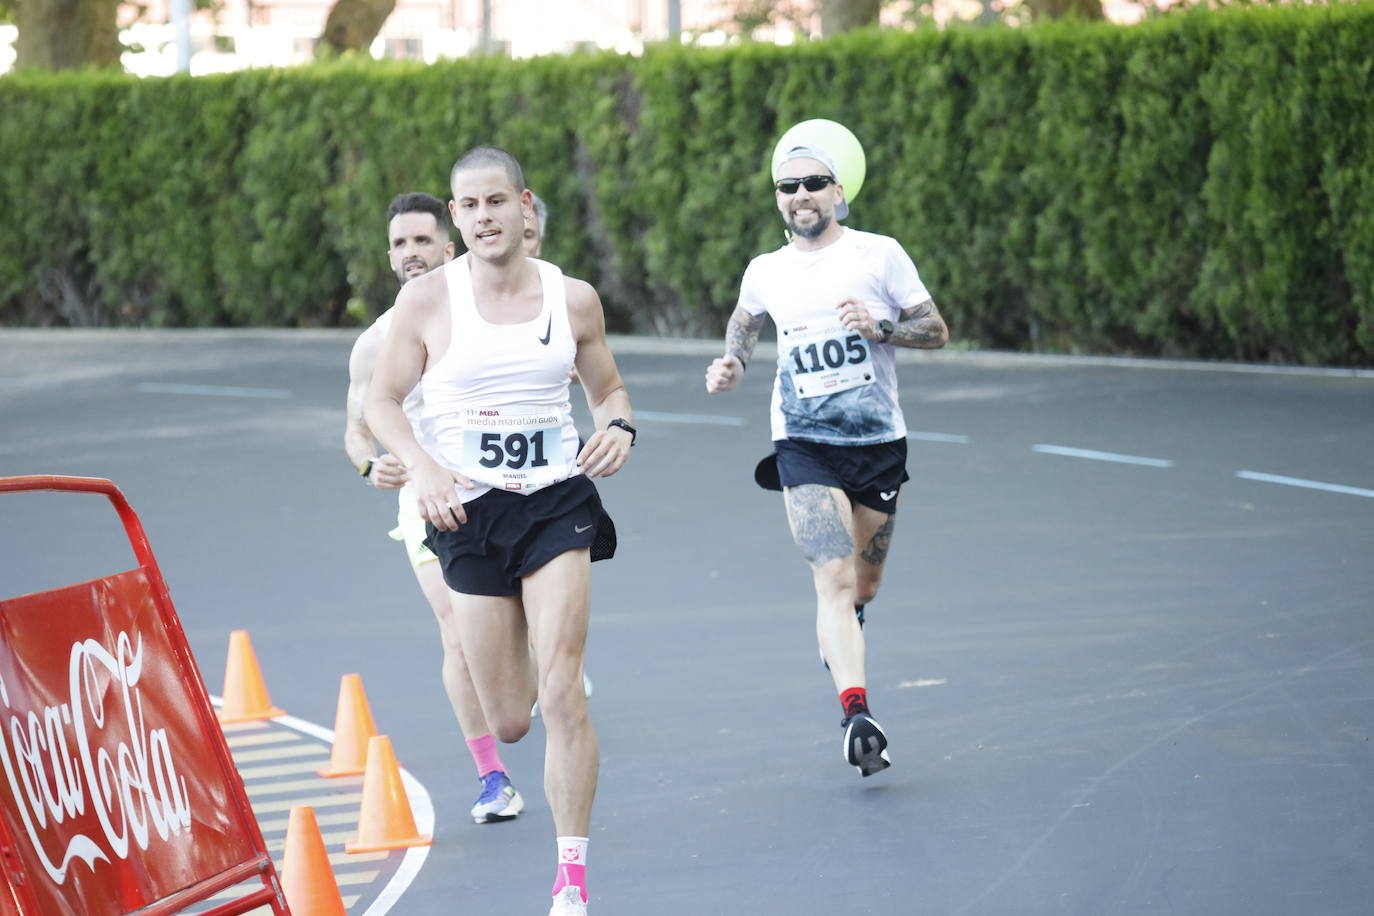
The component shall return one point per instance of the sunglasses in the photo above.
(812, 183)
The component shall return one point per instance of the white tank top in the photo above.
(413, 405)
(496, 405)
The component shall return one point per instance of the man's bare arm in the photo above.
(358, 439)
(920, 326)
(403, 359)
(742, 334)
(609, 447)
(741, 337)
(398, 363)
(359, 443)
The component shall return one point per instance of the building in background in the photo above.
(276, 33)
(238, 34)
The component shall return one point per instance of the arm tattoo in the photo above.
(875, 552)
(818, 524)
(742, 334)
(920, 326)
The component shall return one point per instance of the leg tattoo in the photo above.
(818, 525)
(875, 552)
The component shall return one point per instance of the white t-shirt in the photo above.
(832, 385)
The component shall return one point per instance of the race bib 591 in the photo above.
(514, 448)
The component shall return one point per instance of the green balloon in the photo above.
(835, 139)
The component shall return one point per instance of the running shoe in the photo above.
(499, 801)
(569, 902)
(865, 744)
(586, 690)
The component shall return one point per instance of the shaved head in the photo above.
(489, 157)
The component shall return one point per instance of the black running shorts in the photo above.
(508, 536)
(871, 475)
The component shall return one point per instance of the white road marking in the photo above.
(1305, 484)
(939, 437)
(654, 416)
(216, 391)
(1092, 455)
(421, 808)
(924, 682)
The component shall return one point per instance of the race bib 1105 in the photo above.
(825, 360)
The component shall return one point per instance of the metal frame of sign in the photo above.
(227, 847)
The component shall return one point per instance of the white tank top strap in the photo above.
(496, 405)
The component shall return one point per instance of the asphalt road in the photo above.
(1124, 650)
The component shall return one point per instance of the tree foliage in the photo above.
(1200, 185)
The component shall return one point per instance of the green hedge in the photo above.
(1199, 185)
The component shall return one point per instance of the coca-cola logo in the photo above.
(62, 760)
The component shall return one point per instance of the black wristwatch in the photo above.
(365, 470)
(625, 426)
(886, 328)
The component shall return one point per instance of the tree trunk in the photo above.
(842, 15)
(1066, 9)
(61, 34)
(353, 24)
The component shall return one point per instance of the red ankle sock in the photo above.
(854, 701)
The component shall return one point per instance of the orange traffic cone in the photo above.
(385, 821)
(245, 695)
(353, 728)
(306, 878)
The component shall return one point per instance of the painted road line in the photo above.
(1092, 455)
(654, 416)
(279, 753)
(351, 799)
(236, 741)
(319, 786)
(342, 797)
(277, 844)
(338, 817)
(214, 391)
(939, 437)
(421, 809)
(282, 769)
(1305, 484)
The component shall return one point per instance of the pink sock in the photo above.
(572, 864)
(484, 755)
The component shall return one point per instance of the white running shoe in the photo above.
(569, 902)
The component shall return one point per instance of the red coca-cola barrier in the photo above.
(117, 790)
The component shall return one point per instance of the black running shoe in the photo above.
(865, 744)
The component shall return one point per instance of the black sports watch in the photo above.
(886, 328)
(625, 426)
(365, 470)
